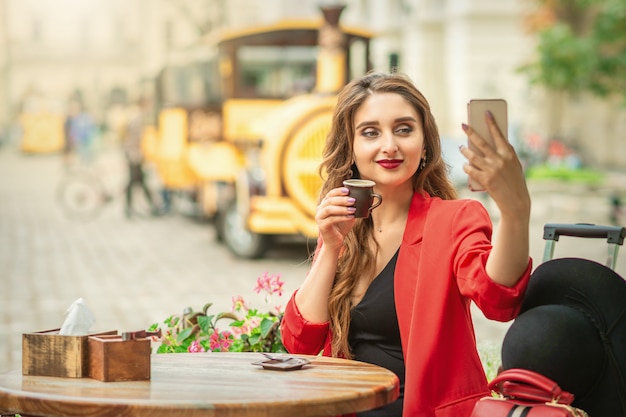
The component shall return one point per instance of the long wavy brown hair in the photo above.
(357, 258)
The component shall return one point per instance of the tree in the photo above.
(580, 62)
(581, 46)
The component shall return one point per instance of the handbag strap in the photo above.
(529, 393)
(536, 382)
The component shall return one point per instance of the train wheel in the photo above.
(302, 158)
(238, 238)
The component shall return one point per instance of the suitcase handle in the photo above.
(613, 234)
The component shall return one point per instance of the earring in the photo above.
(423, 163)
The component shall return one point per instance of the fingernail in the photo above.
(351, 200)
(489, 114)
(351, 209)
(461, 147)
(464, 126)
(345, 191)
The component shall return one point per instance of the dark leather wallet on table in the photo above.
(521, 392)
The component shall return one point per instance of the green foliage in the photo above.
(563, 173)
(610, 33)
(563, 60)
(489, 354)
(583, 49)
(249, 329)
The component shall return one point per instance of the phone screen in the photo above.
(476, 112)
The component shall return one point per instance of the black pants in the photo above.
(136, 178)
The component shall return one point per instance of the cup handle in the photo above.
(377, 203)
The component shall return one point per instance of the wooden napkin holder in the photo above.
(47, 353)
(113, 359)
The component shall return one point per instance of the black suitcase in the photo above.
(572, 324)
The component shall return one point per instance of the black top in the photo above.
(375, 336)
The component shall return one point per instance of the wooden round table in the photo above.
(208, 385)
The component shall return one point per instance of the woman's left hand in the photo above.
(498, 170)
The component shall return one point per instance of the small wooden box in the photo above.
(113, 359)
(47, 353)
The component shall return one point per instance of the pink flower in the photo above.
(195, 347)
(244, 329)
(262, 283)
(239, 303)
(271, 284)
(277, 285)
(220, 341)
(254, 322)
(226, 342)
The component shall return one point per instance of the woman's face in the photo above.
(388, 140)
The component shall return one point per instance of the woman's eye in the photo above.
(370, 133)
(404, 130)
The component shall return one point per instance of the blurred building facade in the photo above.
(110, 51)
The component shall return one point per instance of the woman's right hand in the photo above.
(335, 217)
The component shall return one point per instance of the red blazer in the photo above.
(440, 270)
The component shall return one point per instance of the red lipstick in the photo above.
(390, 163)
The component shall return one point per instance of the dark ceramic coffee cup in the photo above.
(363, 192)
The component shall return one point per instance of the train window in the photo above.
(276, 71)
(192, 85)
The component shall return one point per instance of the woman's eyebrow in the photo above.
(376, 123)
(367, 123)
(406, 119)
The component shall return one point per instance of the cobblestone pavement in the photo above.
(135, 272)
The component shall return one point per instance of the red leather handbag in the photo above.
(521, 392)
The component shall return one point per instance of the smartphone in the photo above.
(476, 113)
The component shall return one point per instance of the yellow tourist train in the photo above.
(242, 128)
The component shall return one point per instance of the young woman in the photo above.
(394, 289)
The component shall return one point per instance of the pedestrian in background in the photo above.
(79, 130)
(617, 208)
(132, 145)
(82, 132)
(69, 147)
(394, 289)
